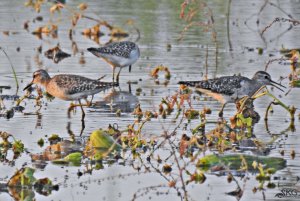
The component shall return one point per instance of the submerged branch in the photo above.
(228, 25)
(291, 109)
(277, 19)
(272, 60)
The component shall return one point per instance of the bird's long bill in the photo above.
(274, 84)
(29, 85)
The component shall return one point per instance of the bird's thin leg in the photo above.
(113, 74)
(89, 103)
(92, 99)
(101, 77)
(118, 75)
(70, 109)
(82, 118)
(129, 68)
(83, 113)
(129, 87)
(1, 103)
(221, 111)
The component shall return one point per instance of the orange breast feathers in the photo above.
(214, 95)
(53, 89)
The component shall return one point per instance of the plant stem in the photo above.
(12, 67)
(279, 102)
(228, 25)
(291, 110)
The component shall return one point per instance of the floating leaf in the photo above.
(74, 157)
(130, 22)
(44, 186)
(293, 154)
(18, 147)
(100, 144)
(260, 50)
(21, 183)
(295, 83)
(6, 33)
(94, 31)
(167, 169)
(192, 114)
(23, 177)
(40, 142)
(51, 153)
(54, 138)
(75, 18)
(157, 69)
(184, 144)
(35, 4)
(82, 6)
(100, 139)
(234, 161)
(289, 52)
(48, 30)
(57, 7)
(254, 164)
(199, 177)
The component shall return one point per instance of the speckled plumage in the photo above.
(233, 87)
(118, 54)
(121, 49)
(75, 84)
(69, 87)
(225, 85)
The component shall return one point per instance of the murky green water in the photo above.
(159, 25)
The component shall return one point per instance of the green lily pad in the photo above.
(100, 144)
(23, 177)
(234, 161)
(295, 83)
(100, 139)
(73, 158)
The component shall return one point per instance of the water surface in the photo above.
(159, 26)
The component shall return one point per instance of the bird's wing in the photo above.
(121, 49)
(77, 84)
(224, 85)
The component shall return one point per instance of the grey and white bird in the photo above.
(229, 89)
(118, 54)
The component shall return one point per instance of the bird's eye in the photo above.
(266, 77)
(34, 76)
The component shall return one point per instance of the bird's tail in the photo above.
(114, 84)
(191, 83)
(107, 85)
(95, 51)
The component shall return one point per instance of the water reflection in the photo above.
(159, 25)
(23, 185)
(56, 54)
(39, 121)
(118, 100)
